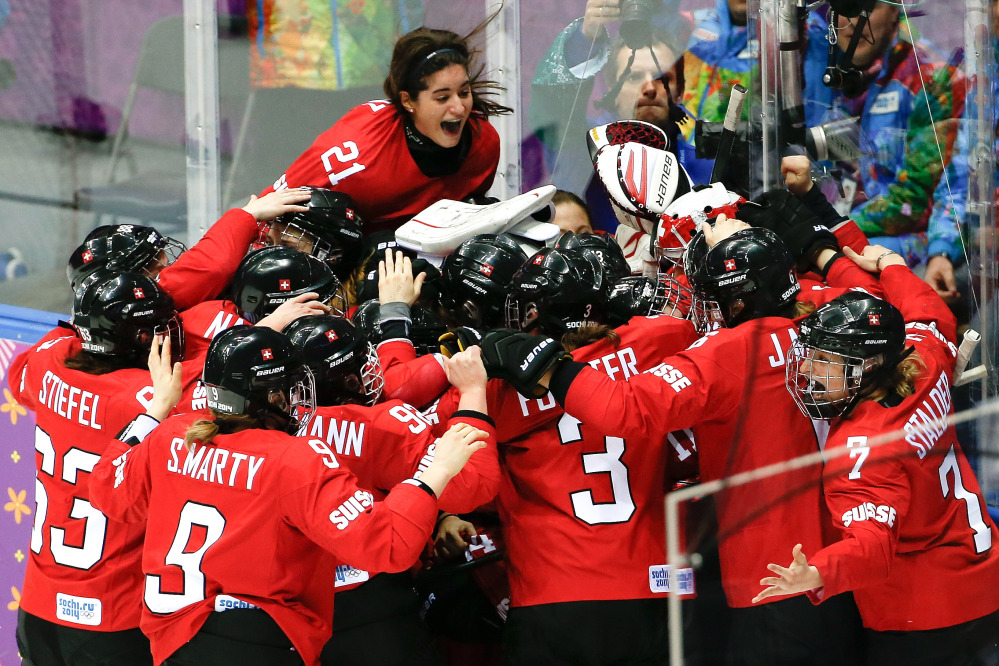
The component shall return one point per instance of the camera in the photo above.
(636, 22)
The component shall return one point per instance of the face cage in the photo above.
(706, 315)
(301, 402)
(171, 249)
(802, 385)
(671, 244)
(671, 298)
(304, 241)
(513, 318)
(372, 377)
(175, 329)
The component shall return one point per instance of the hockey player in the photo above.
(251, 520)
(85, 381)
(909, 510)
(429, 140)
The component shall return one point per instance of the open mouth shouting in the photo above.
(452, 128)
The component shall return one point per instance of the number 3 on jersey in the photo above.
(608, 461)
(344, 154)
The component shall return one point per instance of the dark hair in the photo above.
(670, 41)
(98, 364)
(565, 196)
(424, 51)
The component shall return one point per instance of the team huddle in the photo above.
(246, 448)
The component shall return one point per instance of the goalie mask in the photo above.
(476, 279)
(845, 350)
(330, 230)
(256, 371)
(746, 276)
(602, 246)
(118, 313)
(557, 291)
(343, 362)
(122, 247)
(268, 277)
(683, 219)
(641, 182)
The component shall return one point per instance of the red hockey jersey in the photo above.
(729, 388)
(83, 568)
(582, 506)
(365, 155)
(252, 519)
(919, 549)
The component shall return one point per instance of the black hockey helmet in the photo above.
(425, 327)
(609, 254)
(330, 230)
(844, 350)
(122, 247)
(746, 276)
(118, 314)
(476, 279)
(641, 296)
(257, 371)
(557, 291)
(268, 277)
(343, 362)
(373, 248)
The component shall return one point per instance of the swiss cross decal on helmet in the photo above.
(284, 285)
(486, 269)
(873, 319)
(331, 336)
(138, 293)
(730, 264)
(267, 354)
(349, 214)
(538, 259)
(88, 256)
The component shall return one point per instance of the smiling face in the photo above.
(827, 373)
(441, 111)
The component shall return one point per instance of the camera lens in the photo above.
(636, 22)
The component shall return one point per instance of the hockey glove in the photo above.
(521, 359)
(459, 340)
(785, 215)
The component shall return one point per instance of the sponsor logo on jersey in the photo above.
(224, 602)
(355, 505)
(664, 579)
(78, 610)
(882, 513)
(348, 575)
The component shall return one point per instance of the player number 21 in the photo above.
(344, 154)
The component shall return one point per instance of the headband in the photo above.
(433, 54)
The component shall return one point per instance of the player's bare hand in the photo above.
(598, 13)
(395, 279)
(799, 576)
(875, 258)
(465, 370)
(299, 306)
(452, 538)
(166, 378)
(452, 451)
(277, 203)
(723, 227)
(796, 170)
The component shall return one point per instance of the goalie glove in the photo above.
(640, 181)
(625, 131)
(521, 359)
(785, 215)
(459, 340)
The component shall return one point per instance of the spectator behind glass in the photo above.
(565, 80)
(571, 213)
(894, 187)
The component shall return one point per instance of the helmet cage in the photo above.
(292, 235)
(810, 388)
(674, 232)
(671, 298)
(266, 381)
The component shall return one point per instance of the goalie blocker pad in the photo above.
(438, 229)
(626, 131)
(640, 180)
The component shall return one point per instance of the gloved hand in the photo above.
(521, 359)
(459, 340)
(793, 222)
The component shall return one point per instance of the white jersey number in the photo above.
(608, 462)
(344, 154)
(75, 461)
(190, 563)
(983, 535)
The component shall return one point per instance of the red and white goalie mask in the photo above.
(685, 215)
